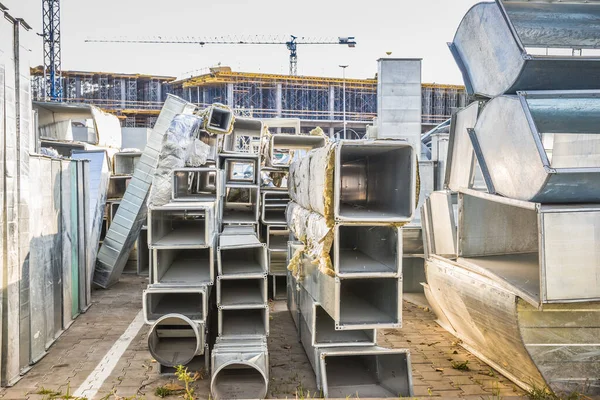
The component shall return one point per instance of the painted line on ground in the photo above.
(89, 388)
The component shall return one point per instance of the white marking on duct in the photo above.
(89, 388)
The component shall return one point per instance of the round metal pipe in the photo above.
(239, 379)
(174, 339)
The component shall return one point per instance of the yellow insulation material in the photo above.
(206, 123)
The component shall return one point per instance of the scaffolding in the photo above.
(137, 98)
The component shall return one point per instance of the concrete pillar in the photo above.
(230, 95)
(399, 100)
(332, 102)
(279, 99)
(78, 88)
(204, 96)
(123, 92)
(198, 92)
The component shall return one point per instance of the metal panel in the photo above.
(373, 372)
(96, 176)
(241, 255)
(67, 243)
(427, 184)
(399, 100)
(86, 247)
(541, 147)
(240, 369)
(273, 207)
(243, 323)
(525, 46)
(368, 303)
(439, 226)
(245, 293)
(75, 239)
(195, 184)
(189, 302)
(144, 254)
(124, 163)
(322, 328)
(463, 170)
(367, 251)
(492, 335)
(180, 267)
(244, 130)
(115, 249)
(56, 250)
(180, 225)
(375, 181)
(282, 144)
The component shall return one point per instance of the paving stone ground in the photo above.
(79, 350)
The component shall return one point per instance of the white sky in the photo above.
(418, 28)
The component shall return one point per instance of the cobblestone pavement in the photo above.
(79, 350)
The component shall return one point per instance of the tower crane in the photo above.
(290, 43)
(52, 51)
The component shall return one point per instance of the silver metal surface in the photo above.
(241, 255)
(181, 225)
(277, 237)
(243, 323)
(195, 184)
(368, 303)
(117, 186)
(189, 302)
(375, 181)
(219, 119)
(244, 293)
(144, 265)
(244, 130)
(277, 262)
(279, 286)
(439, 225)
(463, 170)
(428, 171)
(413, 274)
(240, 205)
(124, 162)
(322, 328)
(529, 246)
(123, 233)
(240, 369)
(372, 372)
(507, 46)
(181, 267)
(412, 240)
(292, 293)
(273, 207)
(541, 146)
(283, 143)
(367, 251)
(240, 169)
(175, 340)
(399, 100)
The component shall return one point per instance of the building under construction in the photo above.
(137, 99)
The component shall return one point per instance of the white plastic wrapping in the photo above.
(180, 147)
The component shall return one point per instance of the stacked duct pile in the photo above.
(515, 273)
(181, 237)
(277, 153)
(349, 200)
(240, 361)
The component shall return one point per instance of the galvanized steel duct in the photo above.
(175, 340)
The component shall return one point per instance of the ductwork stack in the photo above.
(277, 153)
(349, 200)
(513, 272)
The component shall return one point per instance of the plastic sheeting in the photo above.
(312, 229)
(180, 148)
(311, 181)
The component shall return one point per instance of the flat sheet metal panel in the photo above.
(116, 247)
(84, 267)
(12, 271)
(461, 156)
(66, 240)
(97, 176)
(2, 189)
(38, 256)
(570, 256)
(75, 249)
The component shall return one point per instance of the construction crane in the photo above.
(291, 44)
(52, 53)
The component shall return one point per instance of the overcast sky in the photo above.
(408, 29)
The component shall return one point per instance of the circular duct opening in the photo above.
(174, 340)
(239, 381)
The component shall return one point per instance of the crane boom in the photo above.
(291, 43)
